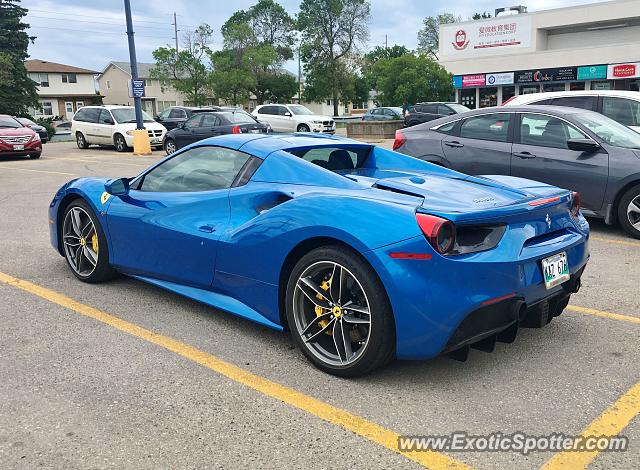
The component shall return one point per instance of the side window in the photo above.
(81, 115)
(624, 111)
(447, 128)
(267, 110)
(388, 112)
(105, 117)
(333, 158)
(429, 108)
(547, 131)
(197, 169)
(486, 127)
(209, 120)
(165, 114)
(376, 112)
(92, 114)
(282, 110)
(543, 102)
(193, 122)
(444, 110)
(584, 102)
(177, 114)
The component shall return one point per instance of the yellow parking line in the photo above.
(603, 314)
(613, 240)
(610, 423)
(37, 171)
(334, 415)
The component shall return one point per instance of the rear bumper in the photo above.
(432, 298)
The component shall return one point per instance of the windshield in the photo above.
(125, 115)
(610, 131)
(458, 108)
(300, 110)
(6, 121)
(239, 117)
(26, 122)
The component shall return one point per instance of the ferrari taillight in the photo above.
(401, 139)
(575, 205)
(236, 130)
(441, 233)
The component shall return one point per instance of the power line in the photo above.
(92, 22)
(96, 31)
(102, 17)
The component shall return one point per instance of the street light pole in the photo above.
(137, 102)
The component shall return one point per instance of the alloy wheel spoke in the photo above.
(356, 308)
(336, 283)
(634, 207)
(321, 331)
(636, 225)
(75, 221)
(90, 255)
(311, 291)
(350, 318)
(78, 258)
(342, 342)
(315, 322)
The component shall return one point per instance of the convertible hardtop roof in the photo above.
(263, 145)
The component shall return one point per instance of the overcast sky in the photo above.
(90, 33)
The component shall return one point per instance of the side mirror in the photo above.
(583, 145)
(117, 187)
(180, 125)
(288, 114)
(157, 117)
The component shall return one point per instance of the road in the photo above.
(127, 375)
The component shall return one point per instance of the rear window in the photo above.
(334, 158)
(238, 117)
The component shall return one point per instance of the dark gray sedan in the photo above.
(567, 147)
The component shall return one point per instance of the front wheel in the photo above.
(120, 143)
(169, 146)
(338, 312)
(629, 211)
(85, 245)
(303, 128)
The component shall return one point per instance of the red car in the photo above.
(17, 140)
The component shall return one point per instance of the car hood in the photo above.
(16, 131)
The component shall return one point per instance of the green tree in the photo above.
(18, 92)
(411, 79)
(186, 71)
(429, 35)
(481, 16)
(380, 52)
(271, 24)
(331, 32)
(276, 87)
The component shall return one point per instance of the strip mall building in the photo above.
(588, 47)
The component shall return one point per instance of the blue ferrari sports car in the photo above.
(362, 253)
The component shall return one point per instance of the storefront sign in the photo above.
(592, 72)
(631, 70)
(457, 81)
(485, 37)
(505, 78)
(561, 74)
(473, 80)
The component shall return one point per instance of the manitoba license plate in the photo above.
(18, 147)
(555, 270)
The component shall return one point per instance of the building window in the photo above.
(69, 78)
(68, 107)
(45, 109)
(162, 105)
(508, 92)
(79, 104)
(603, 85)
(328, 102)
(108, 84)
(468, 98)
(488, 97)
(526, 89)
(576, 86)
(42, 79)
(553, 87)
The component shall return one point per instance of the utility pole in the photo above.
(299, 78)
(385, 42)
(141, 144)
(175, 30)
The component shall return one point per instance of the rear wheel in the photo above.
(338, 312)
(629, 211)
(120, 143)
(169, 146)
(35, 156)
(303, 128)
(85, 245)
(81, 142)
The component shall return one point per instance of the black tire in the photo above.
(626, 219)
(103, 270)
(81, 141)
(380, 346)
(35, 156)
(167, 144)
(303, 128)
(120, 143)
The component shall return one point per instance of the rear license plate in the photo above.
(255, 131)
(18, 147)
(555, 270)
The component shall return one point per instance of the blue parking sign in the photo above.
(137, 88)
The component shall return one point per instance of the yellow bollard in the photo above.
(141, 144)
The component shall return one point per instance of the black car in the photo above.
(171, 117)
(424, 112)
(210, 124)
(41, 130)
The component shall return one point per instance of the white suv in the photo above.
(293, 118)
(112, 125)
(621, 106)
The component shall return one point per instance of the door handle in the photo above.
(524, 155)
(207, 228)
(453, 143)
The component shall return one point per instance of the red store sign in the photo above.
(473, 80)
(623, 70)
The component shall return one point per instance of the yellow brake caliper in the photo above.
(94, 243)
(325, 286)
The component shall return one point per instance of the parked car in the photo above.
(363, 254)
(567, 147)
(17, 140)
(112, 125)
(62, 127)
(621, 106)
(171, 117)
(425, 112)
(382, 114)
(293, 118)
(210, 124)
(41, 130)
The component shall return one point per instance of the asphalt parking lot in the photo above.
(127, 375)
